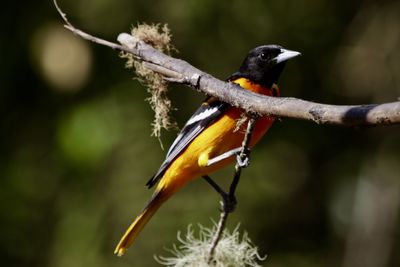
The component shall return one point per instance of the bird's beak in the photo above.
(285, 55)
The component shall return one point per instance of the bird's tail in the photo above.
(141, 220)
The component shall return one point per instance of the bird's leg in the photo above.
(228, 202)
(242, 157)
(223, 156)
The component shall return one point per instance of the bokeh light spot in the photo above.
(88, 133)
(62, 59)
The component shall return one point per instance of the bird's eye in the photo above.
(263, 56)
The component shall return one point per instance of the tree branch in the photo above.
(180, 71)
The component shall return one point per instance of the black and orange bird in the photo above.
(209, 140)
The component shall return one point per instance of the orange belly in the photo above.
(217, 139)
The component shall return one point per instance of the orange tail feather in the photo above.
(141, 220)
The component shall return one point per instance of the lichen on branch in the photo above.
(232, 250)
(160, 38)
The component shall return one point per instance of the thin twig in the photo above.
(229, 199)
(68, 25)
(244, 154)
(62, 14)
(180, 71)
(218, 234)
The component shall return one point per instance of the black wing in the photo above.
(207, 113)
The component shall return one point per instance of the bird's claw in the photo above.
(243, 159)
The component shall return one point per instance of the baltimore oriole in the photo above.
(209, 141)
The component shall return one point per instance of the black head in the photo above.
(264, 64)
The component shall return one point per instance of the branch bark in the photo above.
(179, 71)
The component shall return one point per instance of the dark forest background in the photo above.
(76, 148)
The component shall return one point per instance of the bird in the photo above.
(209, 141)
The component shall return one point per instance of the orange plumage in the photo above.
(215, 139)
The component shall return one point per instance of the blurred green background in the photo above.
(75, 132)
